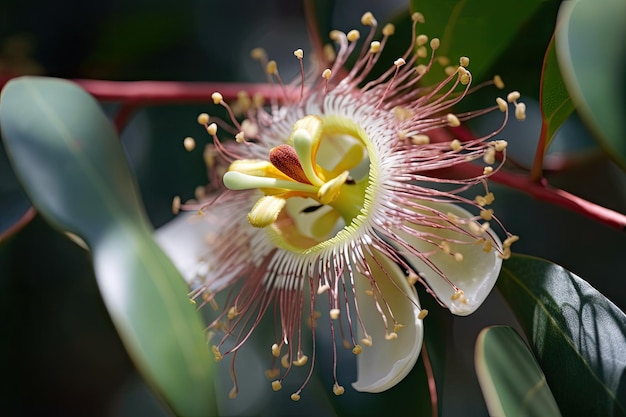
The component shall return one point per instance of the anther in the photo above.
(418, 17)
(501, 104)
(338, 389)
(443, 60)
(217, 98)
(357, 349)
(216, 353)
(399, 62)
(334, 313)
(272, 373)
(271, 68)
(412, 278)
(176, 204)
(457, 295)
(367, 341)
(455, 145)
(401, 113)
(421, 52)
(212, 129)
(391, 336)
(326, 74)
(275, 350)
(487, 170)
(486, 214)
(421, 69)
(284, 361)
(422, 314)
(512, 96)
(276, 385)
(302, 360)
(464, 61)
(322, 289)
(453, 121)
(203, 119)
(500, 145)
(490, 156)
(497, 81)
(389, 29)
(298, 53)
(240, 137)
(335, 35)
(449, 70)
(189, 143)
(458, 256)
(295, 397)
(368, 19)
(520, 111)
(233, 393)
(353, 35)
(232, 313)
(435, 43)
(420, 140)
(421, 40)
(374, 47)
(258, 54)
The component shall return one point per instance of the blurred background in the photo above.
(60, 355)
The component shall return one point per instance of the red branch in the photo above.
(134, 94)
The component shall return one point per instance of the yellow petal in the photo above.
(266, 211)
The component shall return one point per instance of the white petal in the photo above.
(476, 274)
(183, 240)
(387, 362)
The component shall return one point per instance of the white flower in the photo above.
(332, 192)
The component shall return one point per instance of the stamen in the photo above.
(421, 40)
(497, 81)
(217, 98)
(464, 61)
(203, 119)
(334, 313)
(422, 314)
(295, 397)
(338, 389)
(189, 143)
(353, 35)
(176, 204)
(368, 19)
(276, 385)
(502, 106)
(357, 349)
(389, 29)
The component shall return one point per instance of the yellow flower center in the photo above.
(317, 179)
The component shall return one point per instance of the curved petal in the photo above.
(387, 362)
(183, 240)
(476, 274)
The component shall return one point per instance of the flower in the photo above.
(330, 192)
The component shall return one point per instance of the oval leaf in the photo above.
(556, 104)
(510, 378)
(577, 335)
(476, 28)
(591, 48)
(70, 162)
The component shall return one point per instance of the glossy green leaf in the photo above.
(479, 29)
(577, 335)
(591, 48)
(510, 378)
(556, 104)
(69, 160)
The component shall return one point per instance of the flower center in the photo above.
(313, 184)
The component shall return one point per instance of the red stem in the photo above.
(432, 385)
(134, 94)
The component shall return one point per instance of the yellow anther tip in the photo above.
(357, 349)
(334, 313)
(368, 19)
(422, 314)
(298, 53)
(338, 389)
(353, 35)
(399, 62)
(203, 119)
(295, 397)
(217, 97)
(276, 385)
(389, 29)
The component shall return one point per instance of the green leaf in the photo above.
(591, 48)
(556, 104)
(510, 378)
(478, 29)
(70, 162)
(577, 335)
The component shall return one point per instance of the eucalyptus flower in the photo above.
(331, 192)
